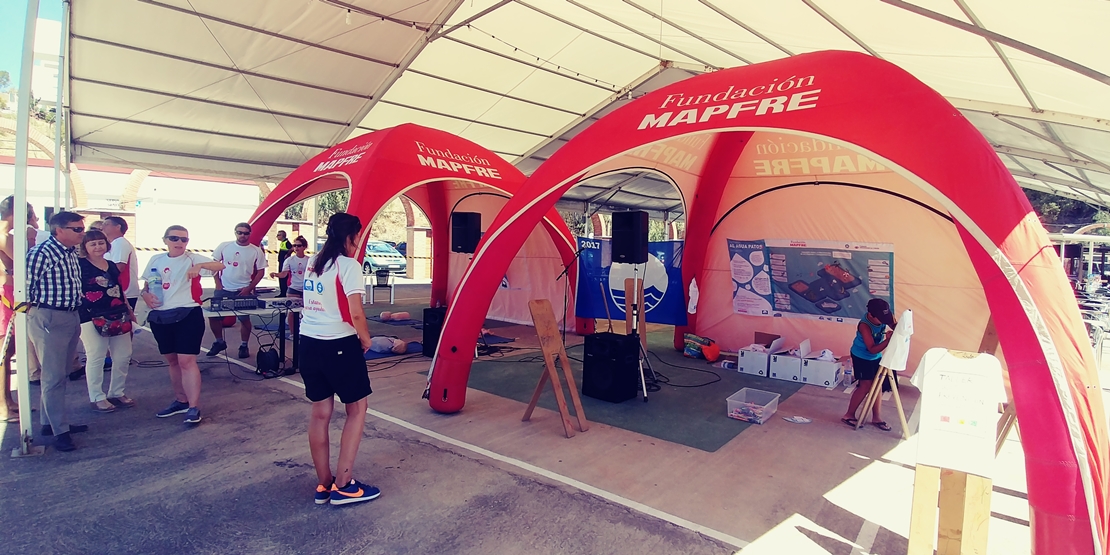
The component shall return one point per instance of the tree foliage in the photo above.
(295, 212)
(331, 203)
(1059, 210)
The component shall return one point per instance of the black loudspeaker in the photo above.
(630, 237)
(466, 229)
(433, 324)
(611, 370)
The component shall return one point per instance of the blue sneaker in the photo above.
(192, 416)
(354, 492)
(176, 407)
(323, 493)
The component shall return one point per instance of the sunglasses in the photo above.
(242, 233)
(177, 238)
(76, 229)
(299, 246)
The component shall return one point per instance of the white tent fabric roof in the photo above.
(253, 88)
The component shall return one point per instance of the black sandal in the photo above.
(850, 421)
(881, 425)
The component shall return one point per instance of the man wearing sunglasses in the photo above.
(53, 325)
(244, 266)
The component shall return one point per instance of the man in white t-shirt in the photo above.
(244, 266)
(123, 254)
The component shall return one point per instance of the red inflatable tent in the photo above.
(436, 170)
(873, 108)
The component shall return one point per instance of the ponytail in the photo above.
(341, 227)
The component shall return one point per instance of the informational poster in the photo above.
(601, 282)
(824, 280)
(960, 393)
(751, 280)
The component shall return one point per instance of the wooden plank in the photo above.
(989, 343)
(873, 396)
(898, 403)
(551, 346)
(977, 515)
(953, 491)
(1005, 424)
(580, 412)
(923, 511)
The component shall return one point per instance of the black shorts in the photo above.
(863, 369)
(334, 367)
(183, 337)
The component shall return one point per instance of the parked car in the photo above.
(381, 256)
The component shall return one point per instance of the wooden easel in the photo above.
(965, 509)
(875, 396)
(1008, 420)
(548, 331)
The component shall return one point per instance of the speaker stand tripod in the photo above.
(642, 356)
(634, 299)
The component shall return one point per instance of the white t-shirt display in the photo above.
(326, 313)
(123, 253)
(177, 290)
(296, 268)
(240, 263)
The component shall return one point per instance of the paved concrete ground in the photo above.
(241, 482)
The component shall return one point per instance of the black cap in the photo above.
(880, 309)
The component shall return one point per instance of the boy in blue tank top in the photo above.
(867, 350)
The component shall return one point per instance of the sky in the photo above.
(13, 14)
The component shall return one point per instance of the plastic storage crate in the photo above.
(752, 405)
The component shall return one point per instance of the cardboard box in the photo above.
(787, 367)
(822, 372)
(757, 363)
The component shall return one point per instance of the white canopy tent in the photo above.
(254, 88)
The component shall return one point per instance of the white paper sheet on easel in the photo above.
(897, 352)
(959, 410)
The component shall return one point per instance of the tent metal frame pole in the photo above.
(23, 124)
(64, 111)
(58, 112)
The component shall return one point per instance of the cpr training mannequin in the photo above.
(383, 344)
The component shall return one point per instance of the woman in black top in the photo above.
(106, 319)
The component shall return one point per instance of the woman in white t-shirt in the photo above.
(294, 268)
(172, 291)
(334, 338)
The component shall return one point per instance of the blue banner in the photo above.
(601, 282)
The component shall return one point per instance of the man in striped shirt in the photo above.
(53, 326)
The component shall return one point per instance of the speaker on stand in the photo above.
(630, 237)
(433, 325)
(466, 230)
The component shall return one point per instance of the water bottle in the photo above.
(728, 364)
(154, 284)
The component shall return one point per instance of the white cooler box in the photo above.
(821, 372)
(789, 368)
(757, 363)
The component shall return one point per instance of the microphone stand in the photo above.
(566, 288)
